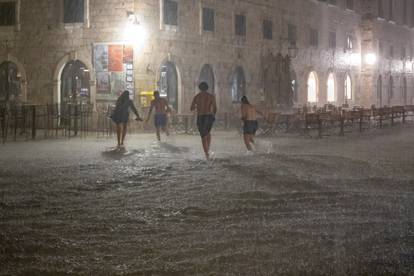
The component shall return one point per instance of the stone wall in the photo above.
(42, 45)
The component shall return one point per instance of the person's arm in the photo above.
(149, 112)
(193, 104)
(168, 109)
(259, 112)
(131, 104)
(214, 105)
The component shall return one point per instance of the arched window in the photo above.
(238, 85)
(207, 75)
(75, 82)
(379, 91)
(348, 88)
(331, 88)
(169, 84)
(312, 88)
(10, 86)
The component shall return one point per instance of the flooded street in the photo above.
(331, 206)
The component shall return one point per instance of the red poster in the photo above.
(115, 58)
(128, 54)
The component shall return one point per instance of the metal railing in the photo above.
(29, 122)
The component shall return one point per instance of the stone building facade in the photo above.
(336, 51)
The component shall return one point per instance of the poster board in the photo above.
(114, 67)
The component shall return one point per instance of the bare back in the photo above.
(204, 103)
(248, 112)
(160, 105)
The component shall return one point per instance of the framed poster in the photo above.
(113, 63)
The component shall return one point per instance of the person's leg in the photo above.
(247, 142)
(251, 136)
(208, 142)
(204, 141)
(165, 129)
(157, 130)
(118, 133)
(124, 131)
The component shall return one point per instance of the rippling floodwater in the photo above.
(333, 206)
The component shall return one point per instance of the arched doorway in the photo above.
(348, 89)
(312, 88)
(207, 75)
(330, 85)
(390, 92)
(279, 82)
(10, 84)
(75, 85)
(168, 84)
(379, 91)
(238, 85)
(404, 90)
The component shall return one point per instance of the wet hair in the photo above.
(244, 100)
(203, 86)
(123, 98)
(156, 93)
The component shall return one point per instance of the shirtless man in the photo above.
(248, 113)
(160, 117)
(206, 107)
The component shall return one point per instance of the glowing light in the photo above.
(348, 88)
(135, 33)
(331, 88)
(354, 59)
(370, 58)
(312, 88)
(409, 66)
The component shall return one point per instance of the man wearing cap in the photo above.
(205, 104)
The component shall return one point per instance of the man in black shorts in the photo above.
(161, 110)
(205, 104)
(248, 112)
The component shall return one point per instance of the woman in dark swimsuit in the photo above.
(120, 116)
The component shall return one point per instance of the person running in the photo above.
(120, 116)
(250, 125)
(161, 110)
(205, 104)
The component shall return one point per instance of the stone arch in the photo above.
(279, 91)
(169, 68)
(237, 84)
(207, 75)
(348, 88)
(331, 87)
(75, 82)
(59, 69)
(20, 70)
(312, 87)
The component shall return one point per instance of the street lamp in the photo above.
(292, 49)
(134, 32)
(370, 58)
